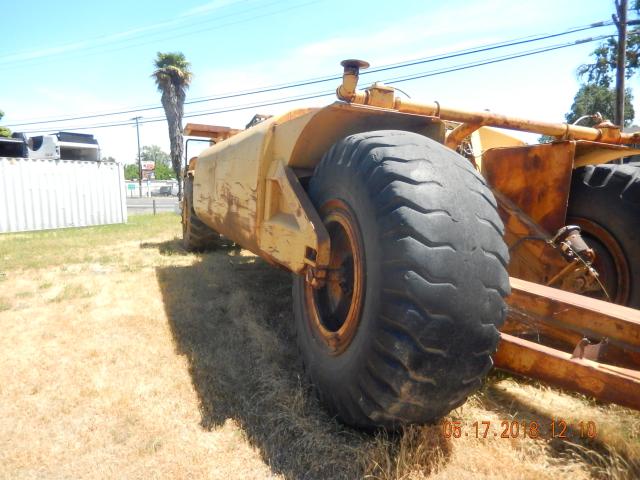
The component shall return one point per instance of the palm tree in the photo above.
(173, 77)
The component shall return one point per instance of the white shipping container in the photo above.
(45, 194)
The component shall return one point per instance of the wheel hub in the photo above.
(336, 306)
(610, 261)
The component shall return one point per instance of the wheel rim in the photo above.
(334, 310)
(611, 262)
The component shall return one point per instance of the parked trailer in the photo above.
(46, 194)
(58, 181)
(56, 146)
(414, 230)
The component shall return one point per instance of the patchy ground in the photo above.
(123, 356)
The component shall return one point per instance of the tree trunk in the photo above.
(173, 102)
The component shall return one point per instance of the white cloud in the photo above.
(208, 7)
(104, 40)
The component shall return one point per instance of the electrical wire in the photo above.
(498, 59)
(202, 113)
(330, 93)
(317, 80)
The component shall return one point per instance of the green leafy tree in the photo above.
(596, 95)
(153, 153)
(163, 168)
(602, 70)
(173, 76)
(131, 172)
(593, 98)
(4, 131)
(164, 172)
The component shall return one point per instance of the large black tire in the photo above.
(434, 275)
(605, 201)
(196, 236)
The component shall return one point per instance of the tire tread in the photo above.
(435, 333)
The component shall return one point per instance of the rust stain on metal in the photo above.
(605, 134)
(532, 257)
(590, 317)
(535, 177)
(461, 132)
(568, 321)
(591, 153)
(604, 382)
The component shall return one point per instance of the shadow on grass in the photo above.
(605, 462)
(231, 316)
(169, 247)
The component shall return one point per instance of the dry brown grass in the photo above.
(135, 359)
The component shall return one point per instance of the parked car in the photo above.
(165, 191)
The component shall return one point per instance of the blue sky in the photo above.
(59, 59)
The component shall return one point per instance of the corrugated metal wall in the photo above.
(44, 194)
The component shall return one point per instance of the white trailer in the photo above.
(58, 181)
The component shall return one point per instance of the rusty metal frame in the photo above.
(568, 320)
(535, 177)
(604, 382)
(382, 96)
(589, 317)
(532, 256)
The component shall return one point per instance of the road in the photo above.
(136, 205)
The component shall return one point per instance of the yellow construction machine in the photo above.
(428, 246)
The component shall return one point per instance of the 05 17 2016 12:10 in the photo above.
(547, 429)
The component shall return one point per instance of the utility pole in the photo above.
(139, 156)
(621, 61)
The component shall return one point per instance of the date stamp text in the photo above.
(548, 429)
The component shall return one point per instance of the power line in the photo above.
(161, 118)
(199, 114)
(331, 93)
(507, 43)
(317, 80)
(273, 88)
(501, 59)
